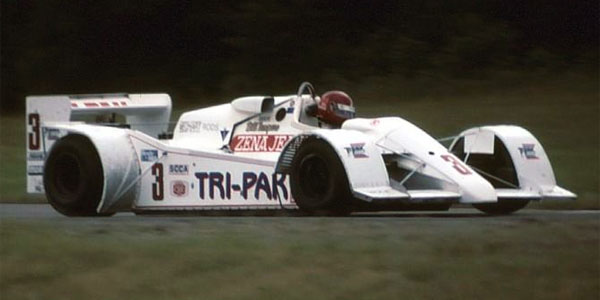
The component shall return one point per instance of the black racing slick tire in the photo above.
(73, 177)
(319, 183)
(502, 207)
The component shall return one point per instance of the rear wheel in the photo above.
(318, 180)
(502, 207)
(73, 177)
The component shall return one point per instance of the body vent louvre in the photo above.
(284, 164)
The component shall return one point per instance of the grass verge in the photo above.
(519, 257)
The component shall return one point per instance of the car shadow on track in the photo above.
(440, 214)
(299, 214)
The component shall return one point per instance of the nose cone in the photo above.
(403, 137)
(476, 190)
(472, 186)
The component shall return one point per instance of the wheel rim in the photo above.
(314, 176)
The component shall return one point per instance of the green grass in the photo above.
(12, 161)
(518, 257)
(561, 112)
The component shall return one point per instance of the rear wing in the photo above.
(148, 113)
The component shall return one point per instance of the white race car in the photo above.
(95, 155)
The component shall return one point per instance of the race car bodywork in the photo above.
(99, 154)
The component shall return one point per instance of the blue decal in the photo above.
(224, 133)
(149, 155)
(35, 156)
(35, 170)
(527, 151)
(52, 134)
(357, 150)
(290, 110)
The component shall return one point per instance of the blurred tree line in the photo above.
(212, 49)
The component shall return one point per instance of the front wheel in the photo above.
(502, 207)
(318, 180)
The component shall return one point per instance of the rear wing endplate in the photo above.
(148, 113)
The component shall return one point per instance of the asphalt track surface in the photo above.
(46, 212)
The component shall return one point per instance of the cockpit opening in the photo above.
(332, 109)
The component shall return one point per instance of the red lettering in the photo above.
(456, 164)
(259, 143)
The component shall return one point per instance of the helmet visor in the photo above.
(344, 111)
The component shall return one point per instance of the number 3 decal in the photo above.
(458, 166)
(157, 187)
(34, 136)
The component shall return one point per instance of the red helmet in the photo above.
(335, 107)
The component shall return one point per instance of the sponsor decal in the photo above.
(35, 156)
(261, 126)
(149, 155)
(259, 143)
(357, 150)
(375, 122)
(224, 133)
(251, 185)
(290, 110)
(35, 170)
(527, 151)
(190, 126)
(197, 126)
(178, 169)
(179, 188)
(53, 134)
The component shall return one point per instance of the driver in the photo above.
(335, 107)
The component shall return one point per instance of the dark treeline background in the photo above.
(215, 49)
